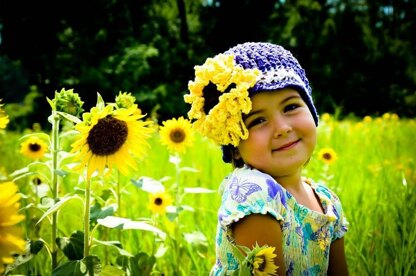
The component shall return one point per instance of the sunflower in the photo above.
(328, 155)
(395, 117)
(177, 134)
(367, 119)
(263, 262)
(111, 138)
(4, 119)
(159, 201)
(67, 101)
(326, 117)
(125, 100)
(219, 95)
(10, 234)
(33, 147)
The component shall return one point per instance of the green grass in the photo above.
(374, 176)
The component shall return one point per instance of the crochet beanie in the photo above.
(220, 93)
(279, 69)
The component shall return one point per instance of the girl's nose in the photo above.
(281, 126)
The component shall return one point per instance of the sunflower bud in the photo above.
(125, 100)
(69, 102)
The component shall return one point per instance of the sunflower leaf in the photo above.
(125, 223)
(175, 159)
(148, 184)
(20, 171)
(73, 246)
(113, 244)
(91, 264)
(69, 117)
(196, 238)
(46, 202)
(61, 173)
(98, 212)
(140, 264)
(23, 176)
(36, 246)
(198, 191)
(51, 103)
(57, 206)
(110, 270)
(68, 268)
(161, 250)
(33, 168)
(36, 134)
(188, 169)
(100, 101)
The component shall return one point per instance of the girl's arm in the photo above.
(337, 261)
(263, 229)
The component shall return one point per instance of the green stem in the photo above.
(87, 217)
(154, 223)
(55, 185)
(178, 199)
(105, 248)
(118, 202)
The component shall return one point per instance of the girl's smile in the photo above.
(288, 145)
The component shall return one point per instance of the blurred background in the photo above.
(359, 55)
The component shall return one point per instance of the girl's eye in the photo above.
(255, 122)
(291, 107)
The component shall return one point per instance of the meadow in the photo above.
(369, 162)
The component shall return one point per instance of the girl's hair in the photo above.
(229, 153)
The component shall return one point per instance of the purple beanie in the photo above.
(279, 69)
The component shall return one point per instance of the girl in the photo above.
(255, 101)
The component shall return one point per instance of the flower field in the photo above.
(110, 192)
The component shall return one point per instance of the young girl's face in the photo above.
(282, 133)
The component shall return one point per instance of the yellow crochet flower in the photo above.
(219, 96)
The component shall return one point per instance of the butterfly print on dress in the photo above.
(240, 191)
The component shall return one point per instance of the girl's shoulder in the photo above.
(248, 179)
(248, 191)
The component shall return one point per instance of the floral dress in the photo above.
(307, 234)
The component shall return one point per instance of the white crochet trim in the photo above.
(280, 74)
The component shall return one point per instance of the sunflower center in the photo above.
(158, 201)
(34, 147)
(212, 95)
(107, 136)
(327, 156)
(262, 265)
(36, 181)
(177, 135)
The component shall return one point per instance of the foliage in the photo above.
(358, 54)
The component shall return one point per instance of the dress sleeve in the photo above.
(249, 191)
(341, 223)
